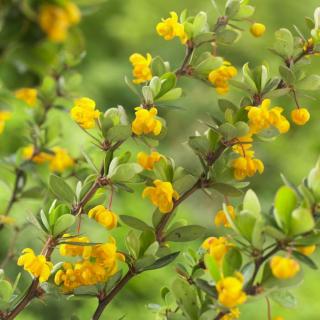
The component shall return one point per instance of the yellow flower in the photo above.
(73, 12)
(221, 219)
(300, 116)
(107, 256)
(104, 216)
(217, 247)
(4, 116)
(141, 67)
(28, 95)
(257, 29)
(61, 160)
(56, 20)
(284, 268)
(148, 161)
(146, 122)
(278, 318)
(247, 166)
(230, 291)
(233, 314)
(308, 250)
(29, 153)
(6, 220)
(162, 195)
(74, 250)
(309, 44)
(262, 117)
(36, 265)
(99, 263)
(219, 77)
(244, 143)
(170, 28)
(84, 113)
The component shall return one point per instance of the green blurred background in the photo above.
(117, 29)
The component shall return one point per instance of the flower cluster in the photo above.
(84, 113)
(4, 116)
(217, 247)
(38, 266)
(98, 263)
(170, 28)
(220, 77)
(162, 195)
(147, 161)
(28, 95)
(300, 116)
(141, 67)
(221, 219)
(230, 291)
(103, 216)
(284, 268)
(146, 122)
(260, 118)
(56, 20)
(59, 159)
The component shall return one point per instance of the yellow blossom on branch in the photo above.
(217, 247)
(232, 315)
(29, 153)
(61, 160)
(4, 116)
(221, 218)
(262, 117)
(103, 216)
(84, 113)
(284, 268)
(74, 250)
(308, 250)
(247, 166)
(28, 95)
(220, 77)
(230, 291)
(141, 67)
(146, 122)
(56, 20)
(148, 161)
(257, 29)
(162, 195)
(170, 28)
(38, 266)
(300, 116)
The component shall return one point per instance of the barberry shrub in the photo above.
(256, 252)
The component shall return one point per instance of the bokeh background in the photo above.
(114, 31)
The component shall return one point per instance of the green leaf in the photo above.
(163, 261)
(200, 23)
(213, 267)
(232, 262)
(168, 82)
(287, 74)
(284, 298)
(61, 189)
(284, 44)
(228, 36)
(185, 233)
(244, 12)
(207, 288)
(228, 131)
(186, 298)
(155, 85)
(133, 243)
(207, 63)
(249, 78)
(63, 223)
(251, 203)
(184, 183)
(301, 221)
(124, 172)
(5, 290)
(226, 189)
(284, 203)
(232, 8)
(310, 83)
(306, 260)
(199, 144)
(245, 223)
(135, 223)
(119, 133)
(173, 94)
